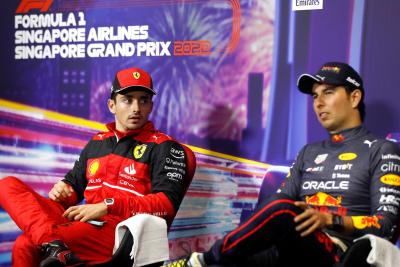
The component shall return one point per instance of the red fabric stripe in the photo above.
(257, 228)
(255, 217)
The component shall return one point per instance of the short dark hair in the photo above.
(361, 106)
(114, 95)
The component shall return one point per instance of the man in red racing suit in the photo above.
(132, 168)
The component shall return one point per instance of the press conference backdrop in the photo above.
(225, 74)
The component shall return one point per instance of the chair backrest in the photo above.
(272, 180)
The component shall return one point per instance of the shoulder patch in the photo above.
(158, 137)
(102, 135)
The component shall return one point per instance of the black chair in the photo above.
(121, 257)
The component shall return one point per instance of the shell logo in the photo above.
(347, 156)
(93, 167)
(391, 179)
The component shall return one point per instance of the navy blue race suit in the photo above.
(352, 174)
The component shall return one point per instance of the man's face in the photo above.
(336, 110)
(131, 110)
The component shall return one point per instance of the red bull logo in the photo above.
(323, 199)
(361, 222)
(337, 138)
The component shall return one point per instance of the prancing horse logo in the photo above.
(136, 75)
(139, 151)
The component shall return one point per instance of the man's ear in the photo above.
(111, 105)
(355, 97)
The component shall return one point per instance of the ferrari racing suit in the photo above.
(143, 170)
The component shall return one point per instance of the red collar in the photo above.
(147, 127)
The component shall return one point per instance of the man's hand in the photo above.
(86, 212)
(60, 191)
(311, 219)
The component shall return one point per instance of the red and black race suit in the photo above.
(143, 170)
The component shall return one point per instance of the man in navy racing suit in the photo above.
(131, 168)
(337, 190)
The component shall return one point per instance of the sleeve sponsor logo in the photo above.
(388, 208)
(170, 168)
(389, 190)
(320, 158)
(391, 179)
(139, 150)
(389, 200)
(175, 163)
(177, 153)
(390, 167)
(391, 156)
(362, 222)
(93, 167)
(347, 156)
(174, 176)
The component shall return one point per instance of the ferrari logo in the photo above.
(136, 75)
(139, 151)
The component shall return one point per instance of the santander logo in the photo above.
(130, 169)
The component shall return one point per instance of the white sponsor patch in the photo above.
(326, 185)
(307, 4)
(130, 169)
(177, 153)
(391, 156)
(320, 158)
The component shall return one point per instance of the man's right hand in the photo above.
(60, 191)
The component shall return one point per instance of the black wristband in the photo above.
(337, 223)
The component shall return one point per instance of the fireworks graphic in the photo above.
(183, 80)
(202, 96)
(206, 96)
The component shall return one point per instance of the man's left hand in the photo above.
(86, 212)
(311, 219)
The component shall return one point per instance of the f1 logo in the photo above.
(26, 5)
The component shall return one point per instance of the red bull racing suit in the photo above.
(352, 174)
(142, 170)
